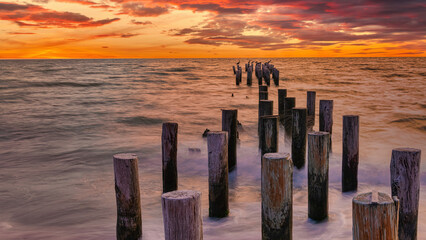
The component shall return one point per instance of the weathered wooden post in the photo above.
(263, 88)
(235, 72)
(266, 107)
(263, 95)
(182, 215)
(282, 94)
(169, 156)
(405, 183)
(258, 71)
(266, 75)
(289, 104)
(298, 140)
(217, 144)
(375, 216)
(276, 76)
(269, 134)
(277, 196)
(239, 76)
(310, 105)
(229, 124)
(249, 75)
(127, 193)
(326, 118)
(350, 153)
(318, 175)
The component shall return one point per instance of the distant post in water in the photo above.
(318, 175)
(375, 216)
(326, 118)
(217, 144)
(276, 76)
(350, 153)
(229, 124)
(405, 183)
(169, 156)
(266, 75)
(289, 104)
(127, 193)
(249, 75)
(263, 88)
(282, 94)
(182, 215)
(269, 134)
(277, 196)
(310, 105)
(266, 108)
(298, 142)
(263, 95)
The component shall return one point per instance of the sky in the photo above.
(207, 28)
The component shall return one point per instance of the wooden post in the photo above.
(169, 156)
(405, 183)
(298, 142)
(310, 105)
(217, 144)
(266, 107)
(263, 95)
(276, 76)
(318, 175)
(229, 124)
(235, 72)
(127, 193)
(258, 71)
(350, 153)
(249, 75)
(263, 88)
(269, 134)
(266, 75)
(182, 215)
(238, 76)
(289, 104)
(282, 94)
(277, 196)
(326, 118)
(375, 216)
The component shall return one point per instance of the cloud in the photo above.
(137, 9)
(21, 33)
(141, 22)
(213, 7)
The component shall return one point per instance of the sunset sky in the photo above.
(206, 28)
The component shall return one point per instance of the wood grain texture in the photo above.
(318, 175)
(326, 119)
(350, 153)
(405, 184)
(182, 215)
(298, 142)
(375, 216)
(169, 143)
(229, 124)
(127, 193)
(277, 196)
(310, 105)
(217, 145)
(269, 134)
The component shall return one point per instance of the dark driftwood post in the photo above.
(169, 156)
(182, 215)
(282, 94)
(277, 196)
(266, 75)
(127, 193)
(266, 108)
(249, 75)
(289, 104)
(326, 118)
(229, 124)
(375, 216)
(350, 153)
(235, 72)
(269, 134)
(298, 142)
(263, 95)
(276, 76)
(258, 72)
(405, 183)
(310, 105)
(263, 88)
(217, 144)
(318, 175)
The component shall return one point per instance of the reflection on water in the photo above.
(62, 120)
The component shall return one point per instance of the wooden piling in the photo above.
(238, 76)
(269, 134)
(276, 76)
(350, 153)
(266, 107)
(298, 142)
(405, 184)
(277, 196)
(326, 118)
(266, 75)
(318, 175)
(217, 144)
(235, 72)
(249, 75)
(263, 95)
(182, 215)
(289, 104)
(169, 156)
(375, 216)
(258, 72)
(263, 88)
(229, 124)
(310, 105)
(127, 193)
(282, 94)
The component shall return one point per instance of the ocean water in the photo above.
(62, 120)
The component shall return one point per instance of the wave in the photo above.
(63, 84)
(184, 69)
(412, 122)
(140, 120)
(49, 70)
(395, 75)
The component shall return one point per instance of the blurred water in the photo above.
(62, 120)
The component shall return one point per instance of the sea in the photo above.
(61, 121)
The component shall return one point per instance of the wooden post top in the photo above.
(170, 123)
(181, 194)
(407, 149)
(277, 156)
(229, 110)
(217, 133)
(266, 101)
(373, 197)
(269, 116)
(350, 116)
(318, 133)
(125, 156)
(299, 109)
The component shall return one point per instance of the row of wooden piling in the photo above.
(262, 72)
(182, 209)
